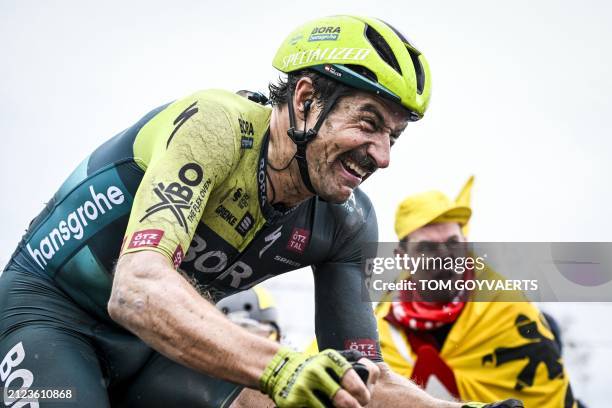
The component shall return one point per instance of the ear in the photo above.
(304, 92)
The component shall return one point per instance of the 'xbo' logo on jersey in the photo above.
(177, 197)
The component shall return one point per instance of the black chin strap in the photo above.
(301, 138)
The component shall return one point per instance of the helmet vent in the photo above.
(414, 56)
(382, 48)
(418, 68)
(398, 33)
(363, 71)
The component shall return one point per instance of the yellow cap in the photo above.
(433, 207)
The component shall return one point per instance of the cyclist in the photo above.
(103, 302)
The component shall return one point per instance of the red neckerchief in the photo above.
(419, 315)
(424, 315)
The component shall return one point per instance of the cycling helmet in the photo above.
(363, 53)
(250, 306)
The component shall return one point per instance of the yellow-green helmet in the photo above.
(360, 52)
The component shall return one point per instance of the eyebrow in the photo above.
(370, 108)
(451, 239)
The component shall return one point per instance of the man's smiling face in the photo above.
(354, 141)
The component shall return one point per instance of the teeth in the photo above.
(354, 166)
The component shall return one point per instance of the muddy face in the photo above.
(354, 142)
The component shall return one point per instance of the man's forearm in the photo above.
(158, 305)
(393, 390)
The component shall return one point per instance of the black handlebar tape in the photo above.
(353, 356)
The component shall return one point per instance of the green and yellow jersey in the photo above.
(189, 181)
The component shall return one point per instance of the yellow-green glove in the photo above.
(295, 379)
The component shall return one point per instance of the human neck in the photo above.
(287, 187)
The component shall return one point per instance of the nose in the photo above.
(380, 151)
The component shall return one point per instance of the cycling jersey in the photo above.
(188, 181)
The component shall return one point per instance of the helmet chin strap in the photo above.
(301, 138)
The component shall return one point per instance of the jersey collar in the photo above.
(270, 212)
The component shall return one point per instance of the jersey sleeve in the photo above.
(344, 317)
(189, 150)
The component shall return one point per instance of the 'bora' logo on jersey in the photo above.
(246, 130)
(246, 127)
(10, 377)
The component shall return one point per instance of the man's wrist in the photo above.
(273, 367)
